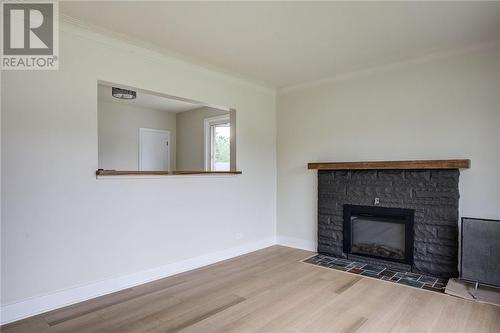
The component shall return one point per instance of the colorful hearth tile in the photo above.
(356, 270)
(380, 272)
(411, 282)
(427, 279)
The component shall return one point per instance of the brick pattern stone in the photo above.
(433, 194)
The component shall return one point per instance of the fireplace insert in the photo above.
(379, 232)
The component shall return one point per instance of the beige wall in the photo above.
(63, 228)
(118, 131)
(190, 140)
(444, 108)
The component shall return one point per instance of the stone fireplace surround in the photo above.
(433, 194)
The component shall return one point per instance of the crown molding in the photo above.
(83, 28)
(392, 66)
(111, 38)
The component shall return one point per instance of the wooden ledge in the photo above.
(162, 173)
(395, 165)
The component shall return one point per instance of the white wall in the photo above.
(118, 133)
(190, 141)
(62, 227)
(445, 108)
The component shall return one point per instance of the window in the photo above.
(217, 143)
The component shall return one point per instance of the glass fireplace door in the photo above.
(379, 232)
(376, 237)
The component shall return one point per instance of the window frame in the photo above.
(208, 144)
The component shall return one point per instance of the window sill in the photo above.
(114, 173)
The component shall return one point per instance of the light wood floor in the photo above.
(268, 291)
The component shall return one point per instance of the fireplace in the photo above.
(429, 196)
(379, 232)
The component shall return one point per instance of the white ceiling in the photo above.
(147, 100)
(288, 43)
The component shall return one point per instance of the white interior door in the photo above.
(154, 150)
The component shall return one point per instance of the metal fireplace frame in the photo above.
(393, 215)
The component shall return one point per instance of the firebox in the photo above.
(379, 232)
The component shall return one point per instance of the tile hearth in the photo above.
(380, 272)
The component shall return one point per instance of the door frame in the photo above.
(141, 131)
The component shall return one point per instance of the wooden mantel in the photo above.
(394, 165)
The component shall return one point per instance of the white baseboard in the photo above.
(36, 305)
(297, 243)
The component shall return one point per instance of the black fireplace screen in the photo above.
(480, 260)
(379, 232)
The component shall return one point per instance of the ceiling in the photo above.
(288, 43)
(147, 100)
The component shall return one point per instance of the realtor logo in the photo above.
(30, 35)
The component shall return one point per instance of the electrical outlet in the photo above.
(239, 235)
